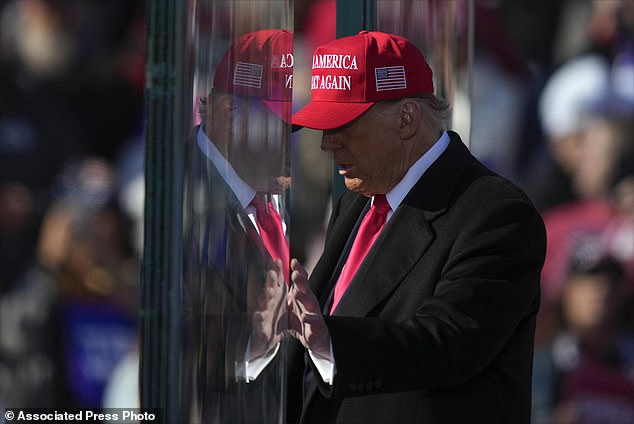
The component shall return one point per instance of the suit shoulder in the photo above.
(483, 193)
(489, 186)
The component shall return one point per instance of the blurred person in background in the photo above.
(29, 329)
(73, 315)
(568, 93)
(606, 173)
(600, 180)
(606, 154)
(86, 249)
(591, 51)
(585, 374)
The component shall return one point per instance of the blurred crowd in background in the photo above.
(71, 178)
(562, 73)
(552, 108)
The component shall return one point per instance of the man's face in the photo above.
(258, 146)
(370, 155)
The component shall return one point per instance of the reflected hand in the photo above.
(305, 321)
(268, 322)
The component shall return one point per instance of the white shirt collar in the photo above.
(415, 172)
(242, 190)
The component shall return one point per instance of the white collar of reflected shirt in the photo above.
(396, 196)
(243, 191)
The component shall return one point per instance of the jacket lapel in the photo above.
(344, 219)
(392, 256)
(407, 235)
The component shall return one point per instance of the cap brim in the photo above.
(328, 115)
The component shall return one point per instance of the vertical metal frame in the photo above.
(352, 16)
(160, 314)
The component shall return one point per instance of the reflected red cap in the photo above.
(350, 74)
(260, 64)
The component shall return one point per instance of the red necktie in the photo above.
(368, 232)
(271, 231)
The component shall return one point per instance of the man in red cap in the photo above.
(236, 263)
(422, 306)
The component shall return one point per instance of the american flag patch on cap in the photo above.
(390, 78)
(248, 75)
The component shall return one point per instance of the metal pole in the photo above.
(161, 313)
(352, 16)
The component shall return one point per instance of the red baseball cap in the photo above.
(350, 74)
(259, 64)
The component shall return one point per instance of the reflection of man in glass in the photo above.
(237, 253)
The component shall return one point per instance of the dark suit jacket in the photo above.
(225, 265)
(437, 326)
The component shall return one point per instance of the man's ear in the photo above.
(410, 115)
(219, 119)
(220, 106)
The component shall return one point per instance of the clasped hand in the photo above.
(300, 316)
(268, 319)
(305, 320)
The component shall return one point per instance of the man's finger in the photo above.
(297, 266)
(271, 278)
(299, 282)
(307, 301)
(279, 277)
